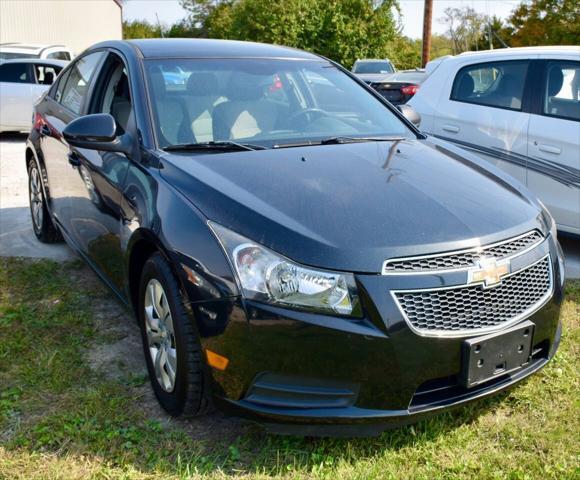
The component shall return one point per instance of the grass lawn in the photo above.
(75, 403)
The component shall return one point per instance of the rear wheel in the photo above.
(42, 224)
(170, 341)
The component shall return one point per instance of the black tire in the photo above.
(42, 223)
(190, 394)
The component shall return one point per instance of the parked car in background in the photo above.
(372, 69)
(399, 87)
(315, 263)
(518, 108)
(22, 82)
(10, 51)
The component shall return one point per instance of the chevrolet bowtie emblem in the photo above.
(489, 271)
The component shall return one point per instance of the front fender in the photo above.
(158, 216)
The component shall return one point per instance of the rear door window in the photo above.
(16, 73)
(495, 84)
(562, 90)
(78, 81)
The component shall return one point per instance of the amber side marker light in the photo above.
(216, 361)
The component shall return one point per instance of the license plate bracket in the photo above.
(496, 354)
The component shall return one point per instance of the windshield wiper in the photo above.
(335, 140)
(338, 140)
(226, 146)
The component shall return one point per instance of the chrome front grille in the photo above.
(464, 258)
(474, 309)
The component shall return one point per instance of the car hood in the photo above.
(351, 206)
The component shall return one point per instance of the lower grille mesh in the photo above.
(473, 307)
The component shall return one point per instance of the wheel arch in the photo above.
(31, 153)
(142, 244)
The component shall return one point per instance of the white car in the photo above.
(9, 51)
(22, 82)
(518, 108)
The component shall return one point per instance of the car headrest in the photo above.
(466, 86)
(122, 87)
(244, 87)
(510, 85)
(555, 81)
(202, 84)
(48, 78)
(157, 84)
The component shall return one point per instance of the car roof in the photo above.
(361, 60)
(207, 48)
(27, 47)
(517, 51)
(44, 61)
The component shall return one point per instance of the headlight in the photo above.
(266, 276)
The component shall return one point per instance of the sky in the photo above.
(169, 11)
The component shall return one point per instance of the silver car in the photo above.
(22, 82)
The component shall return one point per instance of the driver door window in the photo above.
(115, 97)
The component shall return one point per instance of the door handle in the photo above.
(74, 159)
(132, 201)
(450, 128)
(549, 149)
(44, 130)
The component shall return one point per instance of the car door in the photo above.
(554, 142)
(484, 111)
(57, 112)
(16, 82)
(96, 215)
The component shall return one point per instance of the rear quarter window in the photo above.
(62, 55)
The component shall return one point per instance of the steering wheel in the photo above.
(311, 112)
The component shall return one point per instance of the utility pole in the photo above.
(427, 20)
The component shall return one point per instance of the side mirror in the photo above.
(410, 114)
(97, 131)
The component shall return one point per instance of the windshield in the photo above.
(265, 102)
(373, 67)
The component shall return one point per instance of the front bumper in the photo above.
(310, 374)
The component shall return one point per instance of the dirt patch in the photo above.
(120, 358)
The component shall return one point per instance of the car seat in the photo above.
(246, 113)
(202, 95)
(171, 117)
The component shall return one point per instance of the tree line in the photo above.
(345, 30)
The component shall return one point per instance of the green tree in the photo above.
(185, 28)
(440, 46)
(464, 28)
(140, 29)
(342, 30)
(404, 52)
(545, 22)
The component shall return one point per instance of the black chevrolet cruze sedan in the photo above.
(294, 249)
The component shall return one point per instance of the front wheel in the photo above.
(42, 224)
(172, 349)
